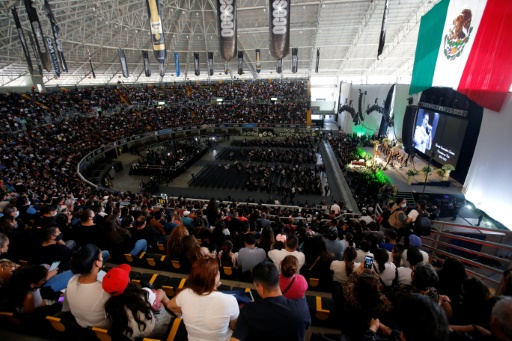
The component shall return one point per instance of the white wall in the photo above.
(489, 181)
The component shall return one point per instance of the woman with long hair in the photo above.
(343, 269)
(175, 249)
(212, 212)
(396, 254)
(226, 255)
(21, 292)
(119, 241)
(318, 260)
(384, 268)
(207, 313)
(267, 239)
(134, 312)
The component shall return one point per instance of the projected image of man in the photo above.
(423, 135)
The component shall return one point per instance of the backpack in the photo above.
(422, 226)
(394, 220)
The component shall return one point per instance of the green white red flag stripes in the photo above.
(466, 45)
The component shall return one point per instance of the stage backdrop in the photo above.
(489, 181)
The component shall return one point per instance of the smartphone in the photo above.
(54, 266)
(368, 262)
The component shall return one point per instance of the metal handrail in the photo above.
(436, 243)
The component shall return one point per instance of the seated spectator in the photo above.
(364, 301)
(134, 312)
(274, 317)
(364, 251)
(451, 277)
(396, 254)
(119, 241)
(22, 293)
(334, 245)
(390, 242)
(175, 248)
(226, 255)
(156, 222)
(150, 234)
(414, 241)
(267, 238)
(384, 268)
(318, 261)
(292, 285)
(419, 319)
(207, 313)
(84, 295)
(414, 257)
(476, 305)
(505, 287)
(53, 249)
(500, 320)
(250, 255)
(343, 269)
(87, 232)
(292, 243)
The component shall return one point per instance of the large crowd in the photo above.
(382, 283)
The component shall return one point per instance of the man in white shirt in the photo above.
(336, 208)
(363, 251)
(292, 243)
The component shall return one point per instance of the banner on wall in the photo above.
(197, 69)
(147, 66)
(258, 60)
(42, 49)
(279, 66)
(55, 31)
(465, 45)
(124, 64)
(227, 28)
(156, 28)
(382, 38)
(210, 63)
(240, 62)
(53, 56)
(23, 41)
(177, 63)
(317, 60)
(279, 28)
(92, 68)
(295, 59)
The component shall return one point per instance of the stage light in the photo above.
(469, 207)
(487, 223)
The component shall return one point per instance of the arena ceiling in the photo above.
(346, 32)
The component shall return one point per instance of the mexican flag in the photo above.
(466, 45)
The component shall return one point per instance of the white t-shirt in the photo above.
(413, 215)
(361, 254)
(404, 275)
(207, 317)
(336, 208)
(340, 270)
(388, 275)
(87, 303)
(406, 264)
(277, 257)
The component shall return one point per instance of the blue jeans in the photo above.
(140, 245)
(59, 281)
